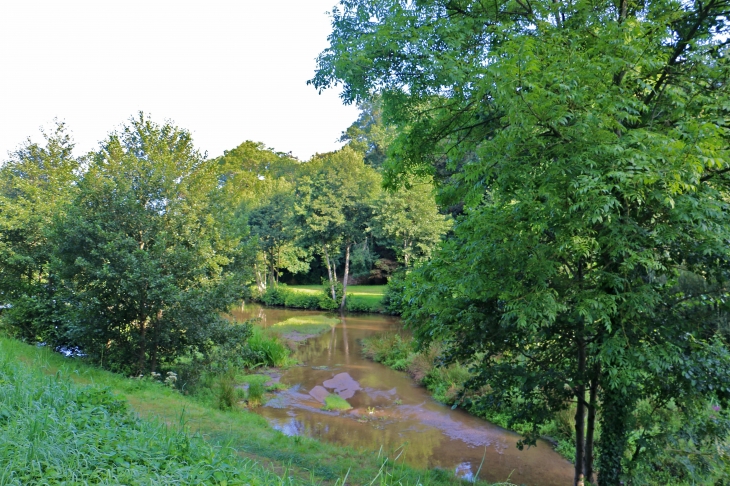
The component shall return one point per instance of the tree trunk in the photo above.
(588, 462)
(329, 273)
(155, 341)
(278, 263)
(405, 253)
(344, 279)
(142, 351)
(616, 409)
(580, 392)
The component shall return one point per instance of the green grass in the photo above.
(305, 325)
(335, 402)
(43, 449)
(54, 431)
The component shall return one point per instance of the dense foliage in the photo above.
(131, 254)
(587, 145)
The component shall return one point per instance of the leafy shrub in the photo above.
(358, 304)
(327, 290)
(301, 300)
(325, 302)
(446, 382)
(275, 295)
(393, 302)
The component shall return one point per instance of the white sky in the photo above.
(228, 71)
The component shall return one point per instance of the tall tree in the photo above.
(146, 264)
(334, 200)
(251, 171)
(409, 221)
(370, 134)
(271, 223)
(588, 143)
(36, 184)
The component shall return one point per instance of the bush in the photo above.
(301, 300)
(446, 382)
(356, 304)
(393, 299)
(275, 295)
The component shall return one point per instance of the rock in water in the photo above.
(319, 393)
(343, 384)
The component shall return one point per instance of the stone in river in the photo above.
(319, 393)
(343, 384)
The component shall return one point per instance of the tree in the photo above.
(369, 134)
(588, 143)
(249, 171)
(36, 184)
(147, 264)
(409, 221)
(334, 198)
(271, 223)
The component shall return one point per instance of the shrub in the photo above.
(446, 382)
(357, 304)
(275, 295)
(393, 298)
(301, 300)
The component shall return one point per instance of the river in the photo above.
(390, 410)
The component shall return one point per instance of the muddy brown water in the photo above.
(390, 410)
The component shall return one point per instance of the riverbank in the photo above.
(446, 383)
(254, 446)
(360, 298)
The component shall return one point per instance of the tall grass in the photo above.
(55, 432)
(269, 347)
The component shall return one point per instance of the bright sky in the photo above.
(227, 71)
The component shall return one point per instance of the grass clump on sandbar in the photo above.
(304, 327)
(335, 402)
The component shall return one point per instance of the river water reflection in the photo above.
(390, 410)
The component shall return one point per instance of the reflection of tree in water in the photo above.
(328, 346)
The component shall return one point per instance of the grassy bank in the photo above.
(445, 384)
(45, 385)
(360, 298)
